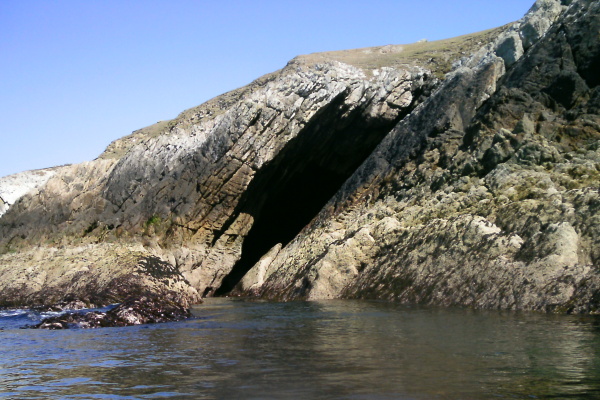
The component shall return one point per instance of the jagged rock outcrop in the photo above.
(437, 172)
(13, 187)
(192, 194)
(93, 275)
(145, 308)
(486, 195)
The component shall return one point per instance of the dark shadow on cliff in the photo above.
(288, 193)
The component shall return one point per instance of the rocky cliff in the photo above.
(15, 186)
(463, 171)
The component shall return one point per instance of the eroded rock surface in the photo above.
(463, 172)
(192, 194)
(91, 275)
(144, 308)
(15, 186)
(486, 195)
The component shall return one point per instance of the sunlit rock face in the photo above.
(456, 172)
(486, 195)
(251, 167)
(13, 187)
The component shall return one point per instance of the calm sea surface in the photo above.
(308, 350)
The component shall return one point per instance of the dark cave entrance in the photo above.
(288, 192)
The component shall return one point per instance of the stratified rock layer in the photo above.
(15, 186)
(412, 173)
(191, 195)
(486, 195)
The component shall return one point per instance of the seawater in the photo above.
(337, 349)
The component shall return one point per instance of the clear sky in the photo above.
(76, 75)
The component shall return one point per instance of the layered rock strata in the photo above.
(440, 173)
(15, 186)
(192, 194)
(486, 195)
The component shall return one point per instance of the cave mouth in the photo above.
(288, 192)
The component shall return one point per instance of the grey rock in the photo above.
(13, 187)
(439, 173)
(510, 49)
(177, 194)
(467, 202)
(140, 309)
(539, 19)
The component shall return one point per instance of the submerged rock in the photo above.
(142, 309)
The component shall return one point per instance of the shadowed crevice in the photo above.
(288, 192)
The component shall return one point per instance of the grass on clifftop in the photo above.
(437, 56)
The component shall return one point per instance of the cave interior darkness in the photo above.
(288, 192)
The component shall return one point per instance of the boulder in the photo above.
(141, 309)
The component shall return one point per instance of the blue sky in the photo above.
(76, 75)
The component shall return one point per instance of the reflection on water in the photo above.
(321, 350)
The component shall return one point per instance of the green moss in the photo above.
(7, 250)
(153, 220)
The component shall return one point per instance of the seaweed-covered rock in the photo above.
(141, 309)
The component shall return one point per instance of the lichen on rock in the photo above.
(456, 172)
(471, 199)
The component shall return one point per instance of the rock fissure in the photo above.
(288, 192)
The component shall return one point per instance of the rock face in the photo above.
(411, 173)
(191, 195)
(486, 195)
(15, 186)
